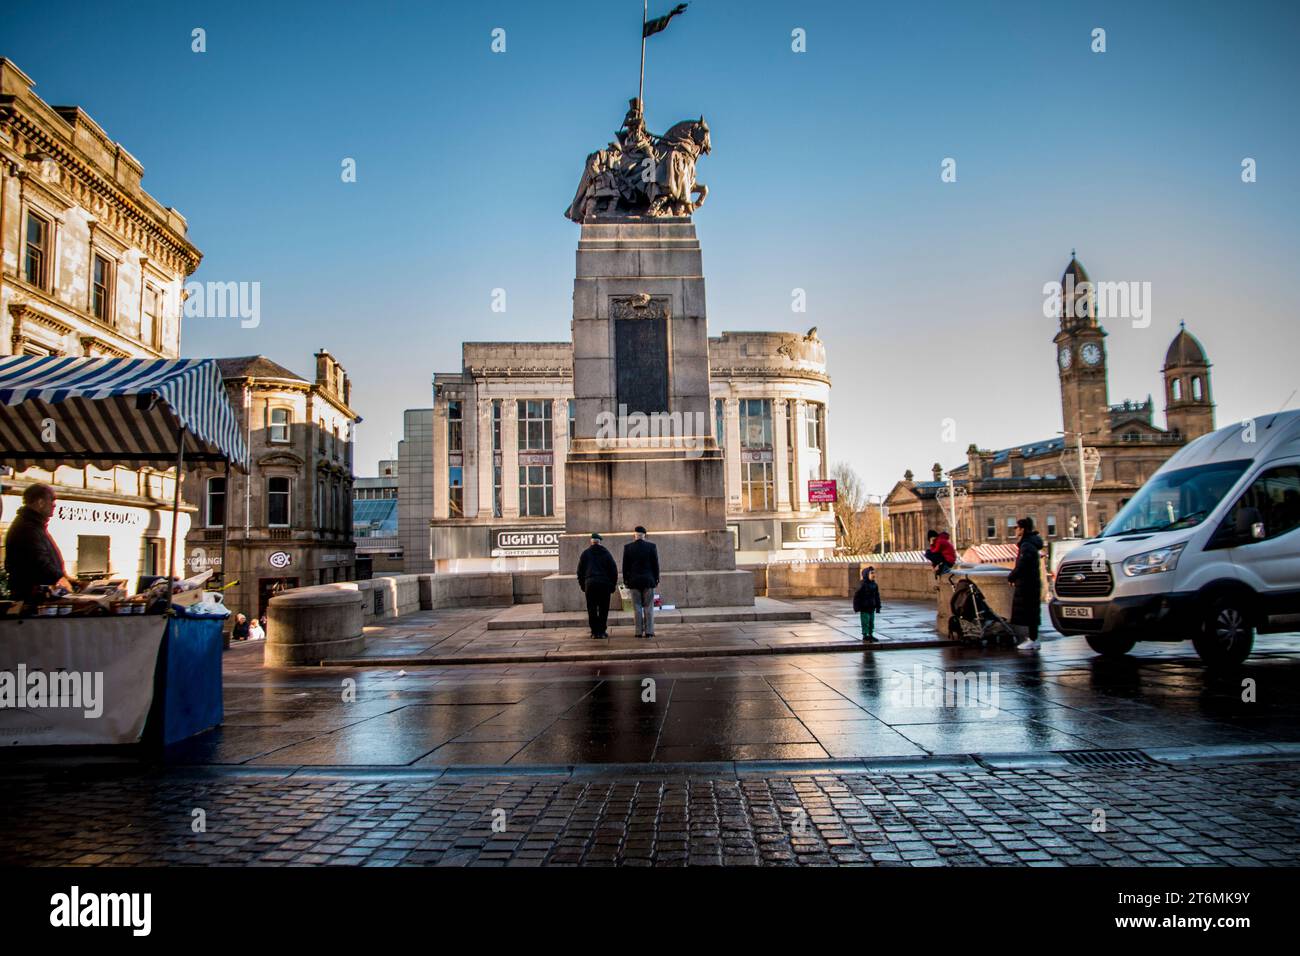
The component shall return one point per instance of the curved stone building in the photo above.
(500, 430)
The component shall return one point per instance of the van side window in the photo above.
(1275, 495)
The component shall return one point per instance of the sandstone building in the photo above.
(91, 265)
(290, 518)
(993, 488)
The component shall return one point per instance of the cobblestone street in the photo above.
(1213, 813)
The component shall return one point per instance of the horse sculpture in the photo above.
(644, 174)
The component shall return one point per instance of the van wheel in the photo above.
(1110, 645)
(1226, 635)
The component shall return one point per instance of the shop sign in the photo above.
(807, 534)
(525, 542)
(96, 514)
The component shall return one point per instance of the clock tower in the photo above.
(1081, 358)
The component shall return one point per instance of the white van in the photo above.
(1208, 549)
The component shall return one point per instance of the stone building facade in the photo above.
(91, 265)
(499, 432)
(289, 520)
(993, 488)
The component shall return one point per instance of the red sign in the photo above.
(822, 490)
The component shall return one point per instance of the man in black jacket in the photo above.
(597, 576)
(641, 575)
(32, 558)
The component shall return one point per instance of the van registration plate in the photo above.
(1077, 612)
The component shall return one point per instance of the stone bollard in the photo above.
(308, 625)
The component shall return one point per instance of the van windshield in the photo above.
(1177, 499)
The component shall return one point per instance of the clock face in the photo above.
(1064, 357)
(1091, 353)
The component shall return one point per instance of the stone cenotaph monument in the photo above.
(643, 452)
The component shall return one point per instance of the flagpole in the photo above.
(640, 93)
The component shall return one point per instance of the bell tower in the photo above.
(1189, 404)
(1081, 358)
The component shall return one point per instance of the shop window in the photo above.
(756, 486)
(155, 557)
(756, 423)
(277, 502)
(536, 485)
(534, 425)
(279, 425)
(456, 492)
(813, 423)
(216, 510)
(92, 555)
(791, 490)
(37, 253)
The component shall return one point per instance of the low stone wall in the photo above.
(898, 582)
(307, 625)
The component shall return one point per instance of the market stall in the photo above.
(94, 667)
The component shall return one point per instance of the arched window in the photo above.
(1197, 390)
(1176, 390)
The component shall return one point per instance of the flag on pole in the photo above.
(658, 24)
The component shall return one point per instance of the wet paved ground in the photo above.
(464, 636)
(1191, 815)
(350, 765)
(772, 707)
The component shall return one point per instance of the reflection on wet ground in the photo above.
(950, 700)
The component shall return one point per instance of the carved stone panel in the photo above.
(641, 352)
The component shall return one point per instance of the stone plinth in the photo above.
(307, 625)
(643, 451)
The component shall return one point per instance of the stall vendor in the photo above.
(32, 559)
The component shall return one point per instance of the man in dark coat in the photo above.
(597, 576)
(641, 575)
(32, 559)
(1027, 580)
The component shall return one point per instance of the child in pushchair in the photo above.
(972, 620)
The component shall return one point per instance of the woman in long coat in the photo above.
(1027, 581)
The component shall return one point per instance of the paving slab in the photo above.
(524, 634)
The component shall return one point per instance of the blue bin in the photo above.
(191, 668)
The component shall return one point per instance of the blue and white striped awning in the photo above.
(102, 411)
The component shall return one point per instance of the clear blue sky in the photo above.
(824, 176)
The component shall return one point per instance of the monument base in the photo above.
(560, 592)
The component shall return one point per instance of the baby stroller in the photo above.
(972, 620)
